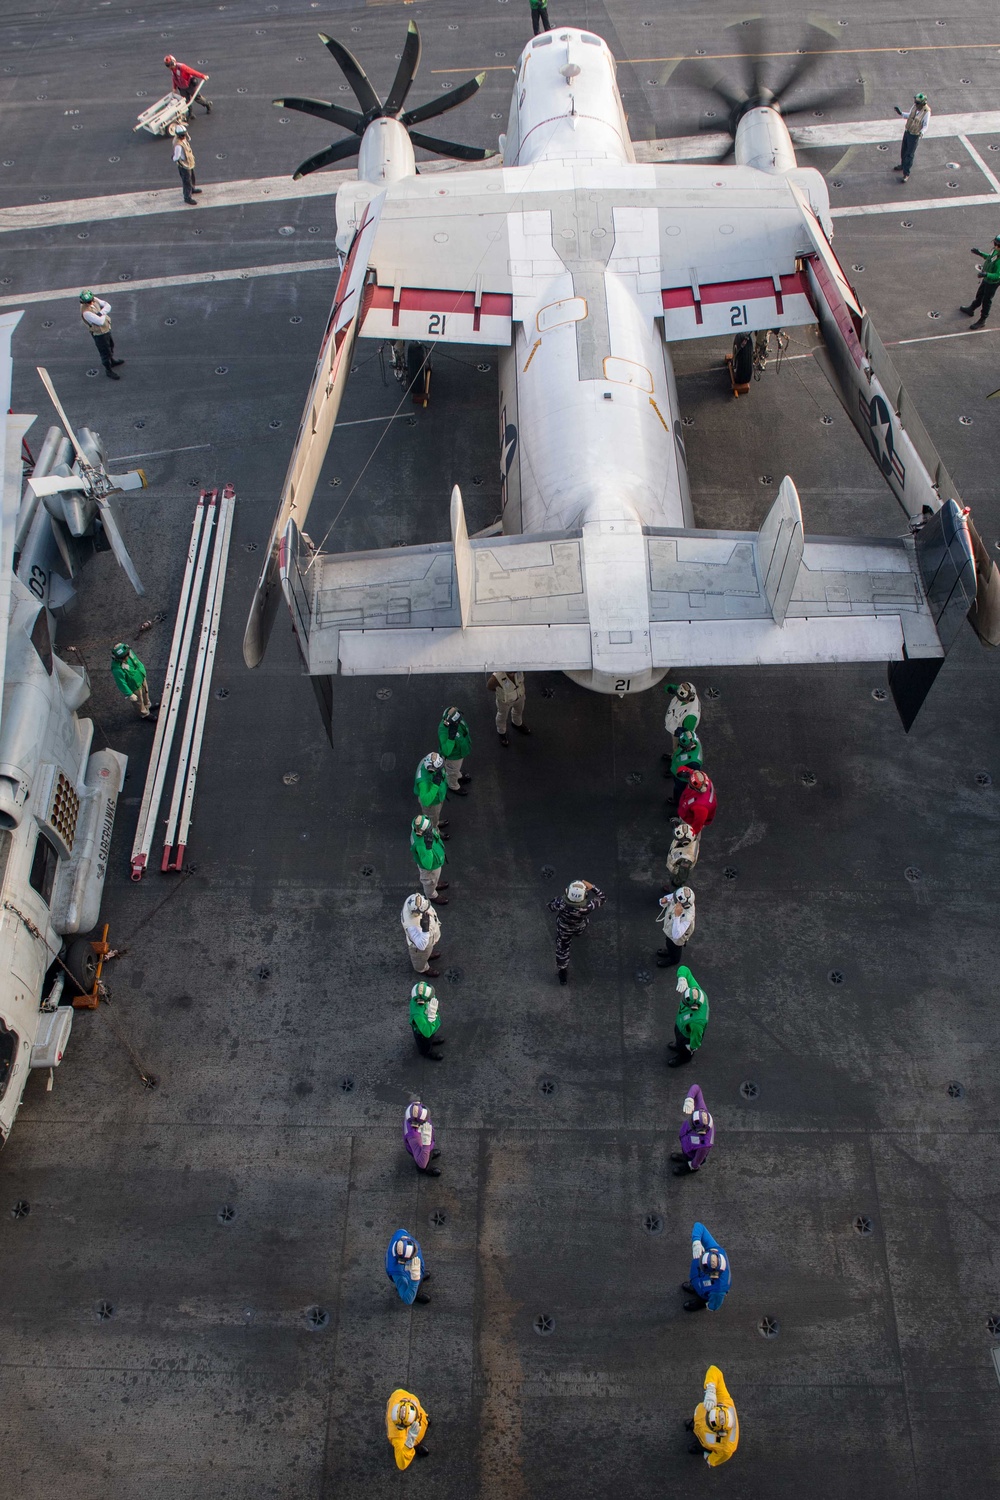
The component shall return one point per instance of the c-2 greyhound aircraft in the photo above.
(582, 266)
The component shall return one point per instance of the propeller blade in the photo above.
(47, 382)
(448, 101)
(354, 73)
(720, 88)
(110, 523)
(806, 64)
(409, 62)
(449, 148)
(337, 152)
(348, 119)
(832, 99)
(750, 42)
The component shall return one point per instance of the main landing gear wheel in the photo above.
(81, 961)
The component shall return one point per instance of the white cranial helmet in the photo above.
(576, 892)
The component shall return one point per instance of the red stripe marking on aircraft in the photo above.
(839, 309)
(430, 299)
(757, 288)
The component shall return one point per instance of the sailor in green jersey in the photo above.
(425, 1020)
(989, 279)
(430, 789)
(454, 742)
(429, 856)
(130, 676)
(692, 1018)
(688, 752)
(540, 16)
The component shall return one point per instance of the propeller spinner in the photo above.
(371, 108)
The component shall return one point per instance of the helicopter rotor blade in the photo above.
(47, 382)
(436, 107)
(111, 530)
(354, 73)
(409, 62)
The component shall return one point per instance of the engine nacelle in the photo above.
(763, 142)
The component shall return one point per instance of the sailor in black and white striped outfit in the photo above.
(573, 917)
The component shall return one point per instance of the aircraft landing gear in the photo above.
(751, 352)
(411, 365)
(740, 364)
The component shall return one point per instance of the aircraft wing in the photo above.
(624, 601)
(856, 363)
(316, 426)
(460, 259)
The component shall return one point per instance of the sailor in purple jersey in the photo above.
(418, 1138)
(697, 1135)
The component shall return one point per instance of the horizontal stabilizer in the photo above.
(554, 601)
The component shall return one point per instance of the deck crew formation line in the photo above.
(440, 774)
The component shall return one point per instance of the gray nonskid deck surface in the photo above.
(266, 987)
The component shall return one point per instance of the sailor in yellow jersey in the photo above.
(406, 1422)
(715, 1423)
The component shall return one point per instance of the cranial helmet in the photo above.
(86, 296)
(683, 832)
(180, 130)
(433, 762)
(169, 60)
(996, 239)
(403, 1249)
(687, 740)
(416, 902)
(422, 992)
(920, 98)
(685, 896)
(713, 1263)
(416, 1111)
(120, 651)
(718, 1419)
(452, 715)
(404, 1414)
(697, 779)
(421, 824)
(685, 691)
(576, 892)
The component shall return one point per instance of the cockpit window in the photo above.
(43, 868)
(542, 41)
(594, 41)
(8, 1052)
